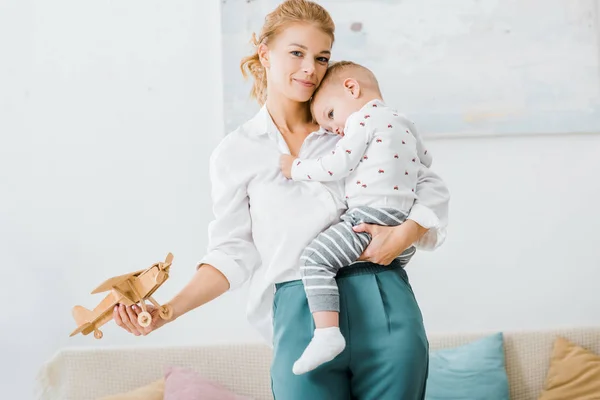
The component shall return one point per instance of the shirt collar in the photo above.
(262, 124)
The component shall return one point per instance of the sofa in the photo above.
(91, 373)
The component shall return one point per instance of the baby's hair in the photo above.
(288, 12)
(337, 71)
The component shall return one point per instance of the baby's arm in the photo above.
(422, 152)
(343, 160)
(432, 204)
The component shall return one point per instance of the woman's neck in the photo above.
(290, 116)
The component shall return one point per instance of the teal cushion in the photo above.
(473, 371)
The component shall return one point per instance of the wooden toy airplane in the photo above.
(128, 289)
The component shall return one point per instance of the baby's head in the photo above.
(345, 89)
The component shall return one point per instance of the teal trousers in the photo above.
(386, 354)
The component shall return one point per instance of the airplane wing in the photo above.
(109, 283)
(80, 329)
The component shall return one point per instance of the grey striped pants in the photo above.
(337, 247)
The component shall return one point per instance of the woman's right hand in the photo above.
(127, 318)
(206, 284)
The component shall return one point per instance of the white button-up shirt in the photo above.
(263, 221)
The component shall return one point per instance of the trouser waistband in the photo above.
(359, 268)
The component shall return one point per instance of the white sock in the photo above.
(325, 345)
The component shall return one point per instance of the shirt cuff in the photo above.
(228, 267)
(436, 234)
(297, 173)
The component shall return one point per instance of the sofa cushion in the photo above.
(472, 371)
(574, 373)
(151, 391)
(187, 384)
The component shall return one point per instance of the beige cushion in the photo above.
(152, 391)
(574, 373)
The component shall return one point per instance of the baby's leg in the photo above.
(331, 250)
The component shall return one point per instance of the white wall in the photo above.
(522, 250)
(108, 113)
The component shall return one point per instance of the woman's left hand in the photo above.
(388, 242)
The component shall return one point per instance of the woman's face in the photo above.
(296, 61)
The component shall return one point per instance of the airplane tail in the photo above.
(168, 261)
(81, 315)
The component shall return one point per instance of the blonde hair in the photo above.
(290, 11)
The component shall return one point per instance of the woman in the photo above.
(263, 221)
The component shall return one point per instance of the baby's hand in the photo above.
(285, 163)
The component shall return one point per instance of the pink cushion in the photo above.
(186, 384)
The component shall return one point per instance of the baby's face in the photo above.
(332, 107)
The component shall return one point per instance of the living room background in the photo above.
(108, 114)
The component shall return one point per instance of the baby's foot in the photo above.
(325, 345)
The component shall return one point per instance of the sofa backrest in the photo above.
(527, 354)
(88, 373)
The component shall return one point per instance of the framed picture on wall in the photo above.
(457, 68)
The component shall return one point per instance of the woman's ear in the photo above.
(263, 55)
(352, 87)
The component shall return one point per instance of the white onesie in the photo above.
(379, 158)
